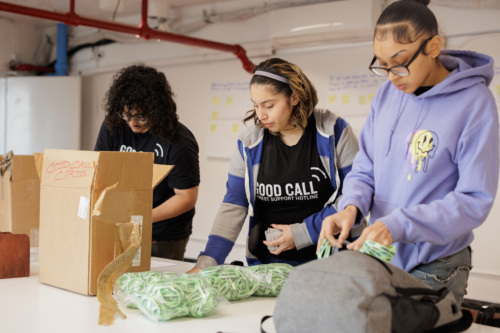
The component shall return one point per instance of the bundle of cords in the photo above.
(180, 296)
(233, 282)
(274, 275)
(372, 248)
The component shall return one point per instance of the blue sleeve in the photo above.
(217, 248)
(232, 212)
(345, 148)
(314, 222)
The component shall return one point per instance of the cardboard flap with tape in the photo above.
(84, 195)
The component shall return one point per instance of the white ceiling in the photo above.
(101, 9)
(118, 9)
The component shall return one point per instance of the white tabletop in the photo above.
(28, 306)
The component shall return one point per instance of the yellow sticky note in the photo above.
(362, 100)
(229, 101)
(332, 99)
(371, 96)
(498, 90)
(236, 128)
(213, 128)
(215, 115)
(345, 99)
(215, 100)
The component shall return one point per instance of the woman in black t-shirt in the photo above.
(286, 172)
(141, 116)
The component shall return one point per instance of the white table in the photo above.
(28, 306)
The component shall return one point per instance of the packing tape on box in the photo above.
(97, 210)
(130, 238)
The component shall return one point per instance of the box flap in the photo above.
(160, 171)
(64, 237)
(69, 168)
(128, 170)
(23, 167)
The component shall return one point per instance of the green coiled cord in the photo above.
(181, 296)
(233, 282)
(275, 275)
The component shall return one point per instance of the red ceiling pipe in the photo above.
(31, 68)
(143, 30)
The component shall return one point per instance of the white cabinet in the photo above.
(3, 116)
(40, 112)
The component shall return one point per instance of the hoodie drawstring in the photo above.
(395, 124)
(415, 126)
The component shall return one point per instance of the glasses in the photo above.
(139, 118)
(399, 70)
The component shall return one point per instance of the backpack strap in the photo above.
(262, 323)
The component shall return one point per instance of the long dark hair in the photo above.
(298, 84)
(146, 90)
(407, 21)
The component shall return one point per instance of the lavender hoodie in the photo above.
(428, 165)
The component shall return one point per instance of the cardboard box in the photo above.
(83, 196)
(19, 195)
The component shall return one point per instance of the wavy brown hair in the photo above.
(298, 84)
(146, 90)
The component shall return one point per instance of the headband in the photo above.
(272, 76)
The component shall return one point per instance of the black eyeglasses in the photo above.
(399, 70)
(141, 119)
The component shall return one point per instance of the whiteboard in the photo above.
(229, 101)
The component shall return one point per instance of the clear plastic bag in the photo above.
(233, 282)
(128, 285)
(162, 299)
(271, 278)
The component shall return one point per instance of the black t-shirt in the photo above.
(421, 90)
(182, 153)
(292, 184)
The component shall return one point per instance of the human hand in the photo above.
(193, 270)
(377, 232)
(340, 222)
(284, 242)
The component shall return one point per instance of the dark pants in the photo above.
(169, 249)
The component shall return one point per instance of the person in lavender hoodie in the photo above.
(428, 165)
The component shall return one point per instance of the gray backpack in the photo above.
(354, 292)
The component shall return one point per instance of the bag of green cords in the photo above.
(185, 295)
(129, 284)
(233, 282)
(274, 276)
